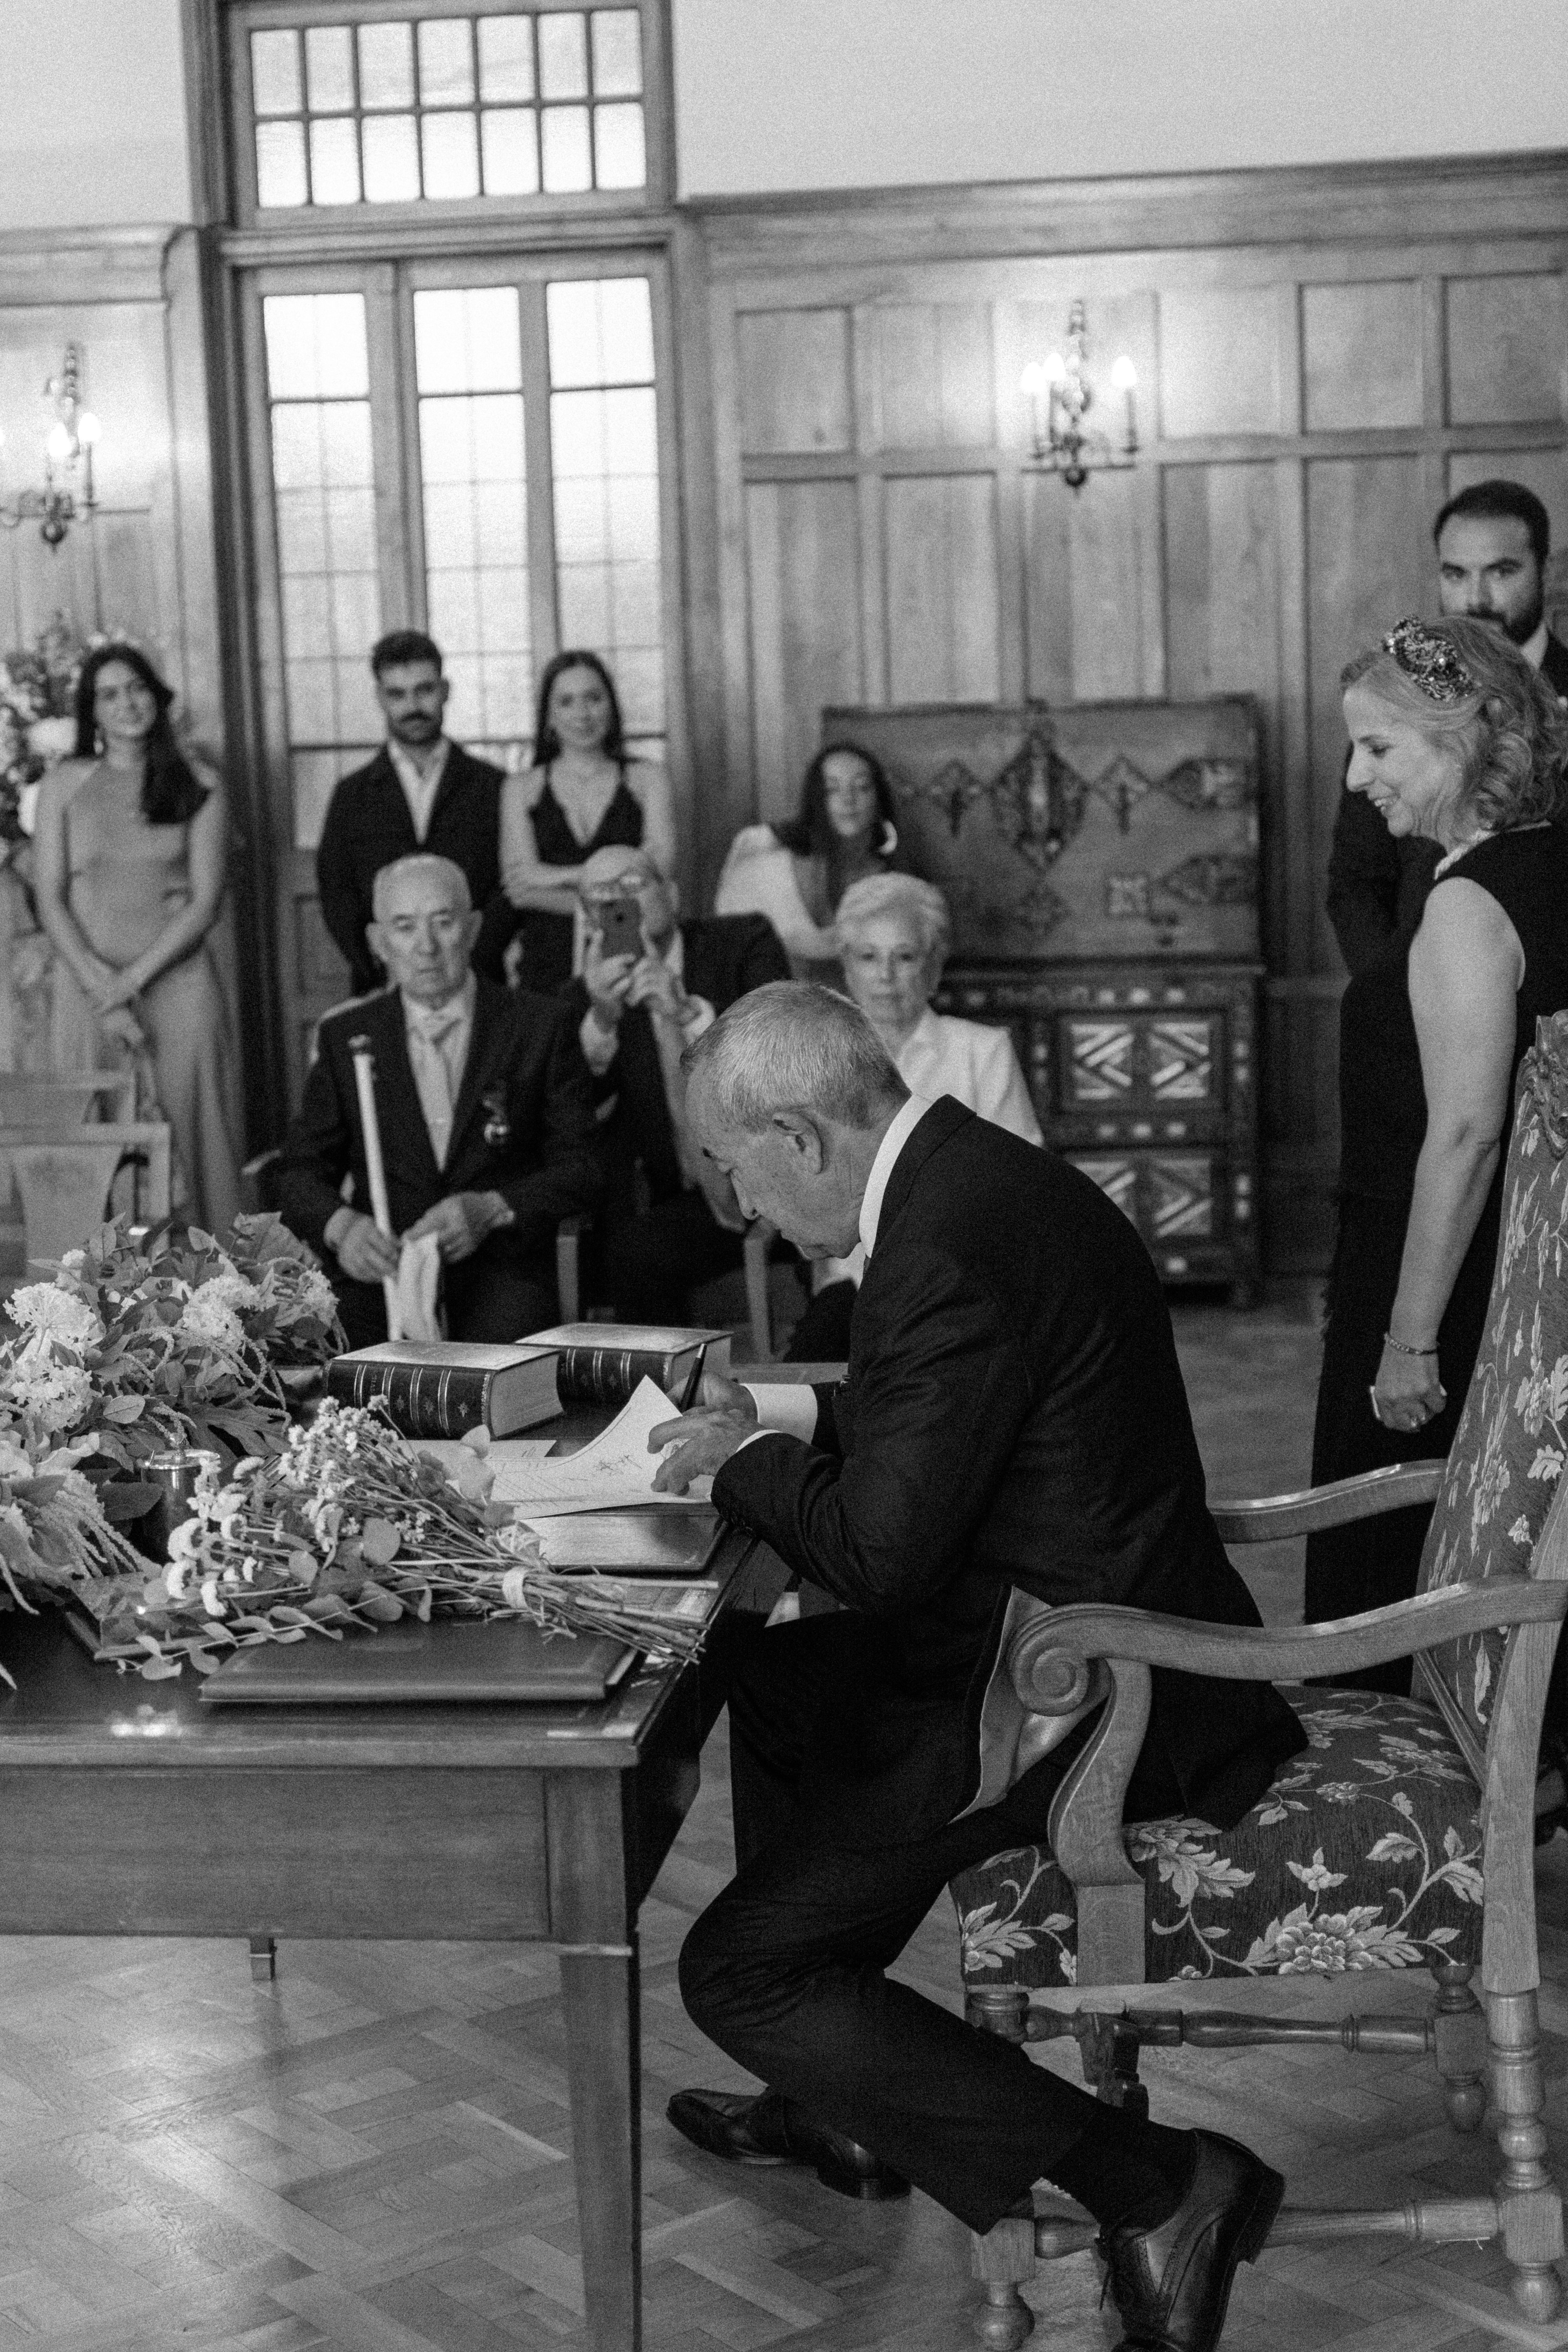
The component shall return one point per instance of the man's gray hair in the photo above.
(418, 861)
(919, 904)
(795, 1046)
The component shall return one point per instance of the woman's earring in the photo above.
(98, 742)
(890, 837)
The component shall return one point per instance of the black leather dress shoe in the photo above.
(770, 2129)
(1171, 2284)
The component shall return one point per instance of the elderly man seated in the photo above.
(649, 986)
(486, 1116)
(892, 932)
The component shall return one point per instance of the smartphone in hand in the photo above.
(620, 927)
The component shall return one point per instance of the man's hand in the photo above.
(607, 980)
(704, 1438)
(654, 984)
(461, 1222)
(364, 1252)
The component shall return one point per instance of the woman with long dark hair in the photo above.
(583, 793)
(129, 845)
(796, 873)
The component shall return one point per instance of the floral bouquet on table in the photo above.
(349, 1526)
(138, 1347)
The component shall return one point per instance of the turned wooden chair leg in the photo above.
(1530, 2203)
(1003, 2258)
(1461, 2045)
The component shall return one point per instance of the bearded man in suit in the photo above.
(421, 790)
(1492, 543)
(485, 1115)
(670, 1219)
(1012, 1417)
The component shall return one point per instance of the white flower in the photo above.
(211, 1321)
(57, 1395)
(54, 1314)
(233, 1288)
(73, 1261)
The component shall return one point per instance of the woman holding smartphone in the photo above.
(582, 794)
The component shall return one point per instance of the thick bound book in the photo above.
(444, 1664)
(601, 1363)
(444, 1388)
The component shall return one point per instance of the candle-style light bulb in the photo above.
(88, 431)
(1124, 374)
(60, 446)
(1055, 368)
(1034, 381)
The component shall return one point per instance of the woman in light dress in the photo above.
(130, 844)
(892, 934)
(583, 793)
(797, 874)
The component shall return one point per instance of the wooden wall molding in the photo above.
(1406, 202)
(72, 265)
(376, 238)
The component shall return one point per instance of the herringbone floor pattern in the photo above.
(370, 2156)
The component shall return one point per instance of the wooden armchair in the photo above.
(1403, 1837)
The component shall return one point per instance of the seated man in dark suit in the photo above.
(420, 791)
(636, 1011)
(486, 1118)
(1012, 1417)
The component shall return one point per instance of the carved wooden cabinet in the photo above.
(1100, 862)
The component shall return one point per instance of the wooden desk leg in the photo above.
(604, 2065)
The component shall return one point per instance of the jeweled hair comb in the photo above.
(1429, 661)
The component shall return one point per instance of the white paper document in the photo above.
(612, 1470)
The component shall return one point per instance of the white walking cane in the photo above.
(375, 1166)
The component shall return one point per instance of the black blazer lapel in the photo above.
(489, 1043)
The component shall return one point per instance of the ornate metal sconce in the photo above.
(1060, 396)
(68, 494)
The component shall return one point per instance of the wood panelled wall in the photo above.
(1322, 359)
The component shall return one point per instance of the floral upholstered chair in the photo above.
(1402, 1838)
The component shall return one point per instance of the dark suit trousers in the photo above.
(488, 1298)
(785, 1969)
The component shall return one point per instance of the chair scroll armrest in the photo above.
(1042, 1656)
(1364, 1497)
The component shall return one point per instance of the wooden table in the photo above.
(130, 1809)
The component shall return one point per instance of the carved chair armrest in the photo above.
(1052, 1657)
(1367, 1495)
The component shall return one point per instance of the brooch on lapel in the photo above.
(497, 1127)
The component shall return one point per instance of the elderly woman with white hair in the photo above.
(892, 932)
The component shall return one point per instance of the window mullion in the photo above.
(541, 472)
(391, 457)
(411, 469)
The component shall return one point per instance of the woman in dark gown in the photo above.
(1455, 738)
(582, 794)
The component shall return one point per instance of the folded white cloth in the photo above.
(414, 1290)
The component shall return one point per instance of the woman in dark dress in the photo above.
(583, 793)
(1455, 738)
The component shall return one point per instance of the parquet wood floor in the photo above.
(370, 2155)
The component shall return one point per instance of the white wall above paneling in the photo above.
(92, 114)
(777, 96)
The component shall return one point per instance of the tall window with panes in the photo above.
(463, 442)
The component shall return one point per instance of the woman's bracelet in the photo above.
(1400, 1349)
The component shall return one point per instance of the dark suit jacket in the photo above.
(726, 957)
(368, 826)
(1378, 886)
(1012, 1415)
(524, 1063)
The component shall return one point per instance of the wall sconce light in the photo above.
(1060, 396)
(68, 460)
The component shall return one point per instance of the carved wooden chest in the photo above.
(1100, 861)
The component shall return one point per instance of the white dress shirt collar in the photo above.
(419, 790)
(1535, 647)
(903, 1126)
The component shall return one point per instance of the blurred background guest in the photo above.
(796, 874)
(670, 1219)
(130, 843)
(892, 934)
(421, 790)
(486, 1120)
(1492, 544)
(582, 794)
(1456, 740)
